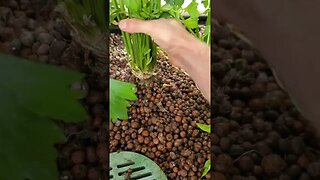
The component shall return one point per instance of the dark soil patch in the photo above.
(31, 29)
(163, 121)
(258, 133)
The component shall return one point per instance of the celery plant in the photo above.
(140, 47)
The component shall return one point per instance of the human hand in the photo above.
(184, 50)
(169, 34)
(163, 31)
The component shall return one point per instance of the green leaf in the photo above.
(178, 3)
(207, 34)
(192, 9)
(207, 12)
(166, 15)
(145, 14)
(98, 8)
(205, 3)
(207, 167)
(133, 5)
(191, 23)
(166, 7)
(171, 2)
(31, 95)
(113, 15)
(120, 93)
(167, 11)
(204, 127)
(206, 37)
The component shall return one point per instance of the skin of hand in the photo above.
(287, 34)
(184, 50)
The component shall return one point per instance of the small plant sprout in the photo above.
(204, 127)
(207, 167)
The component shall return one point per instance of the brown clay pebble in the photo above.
(314, 169)
(195, 113)
(169, 145)
(222, 129)
(135, 125)
(175, 169)
(117, 136)
(177, 142)
(186, 153)
(93, 174)
(102, 152)
(223, 163)
(169, 137)
(257, 170)
(225, 143)
(156, 141)
(246, 163)
(79, 171)
(161, 148)
(218, 176)
(273, 164)
(303, 161)
(178, 118)
(91, 154)
(183, 173)
(140, 139)
(146, 140)
(173, 156)
(145, 133)
(78, 157)
(130, 146)
(183, 134)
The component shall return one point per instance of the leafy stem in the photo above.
(141, 49)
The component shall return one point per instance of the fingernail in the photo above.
(123, 24)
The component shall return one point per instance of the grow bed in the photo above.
(258, 133)
(31, 29)
(163, 121)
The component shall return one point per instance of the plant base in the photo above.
(143, 75)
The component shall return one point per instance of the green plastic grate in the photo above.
(126, 165)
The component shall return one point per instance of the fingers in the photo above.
(136, 26)
(163, 31)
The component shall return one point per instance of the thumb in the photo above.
(136, 26)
